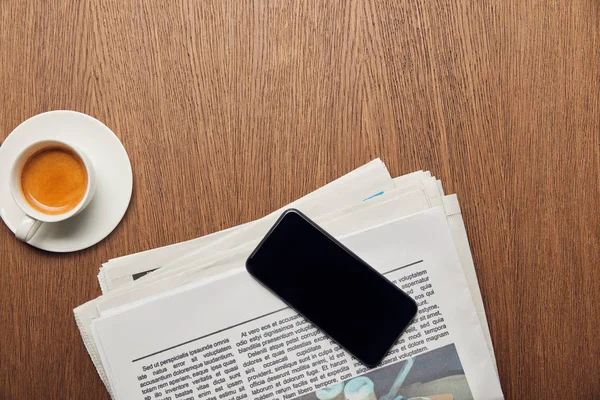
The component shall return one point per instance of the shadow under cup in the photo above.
(51, 181)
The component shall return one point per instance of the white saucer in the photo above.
(113, 175)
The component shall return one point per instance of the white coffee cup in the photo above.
(33, 218)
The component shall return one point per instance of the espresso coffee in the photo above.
(54, 180)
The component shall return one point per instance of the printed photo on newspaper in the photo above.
(229, 338)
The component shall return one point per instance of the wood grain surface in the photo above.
(229, 110)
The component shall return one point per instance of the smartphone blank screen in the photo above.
(331, 287)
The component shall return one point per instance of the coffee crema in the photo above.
(54, 180)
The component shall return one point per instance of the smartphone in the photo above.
(331, 287)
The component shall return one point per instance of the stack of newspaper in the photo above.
(186, 321)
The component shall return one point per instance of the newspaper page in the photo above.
(229, 338)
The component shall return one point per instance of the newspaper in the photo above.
(226, 337)
(361, 199)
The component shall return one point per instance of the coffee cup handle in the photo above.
(27, 228)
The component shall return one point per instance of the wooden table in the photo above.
(231, 110)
